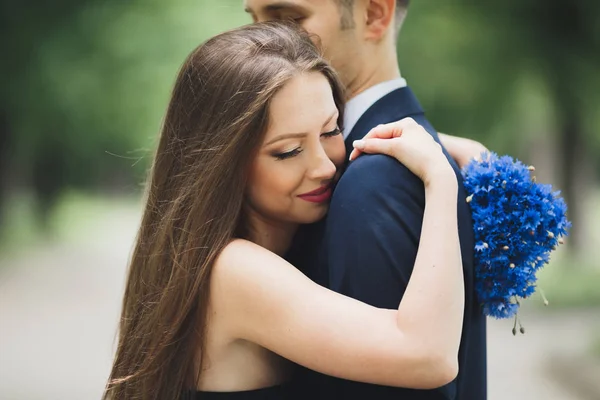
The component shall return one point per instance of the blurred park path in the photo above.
(59, 307)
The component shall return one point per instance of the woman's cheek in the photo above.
(336, 151)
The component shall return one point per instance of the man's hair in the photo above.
(347, 20)
(401, 8)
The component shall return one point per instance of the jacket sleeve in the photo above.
(373, 229)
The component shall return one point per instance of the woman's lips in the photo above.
(319, 195)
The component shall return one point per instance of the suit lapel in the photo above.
(400, 103)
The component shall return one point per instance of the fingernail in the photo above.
(359, 144)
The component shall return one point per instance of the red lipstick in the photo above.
(319, 195)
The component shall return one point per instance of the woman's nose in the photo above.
(321, 167)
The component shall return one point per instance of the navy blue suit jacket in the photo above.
(366, 249)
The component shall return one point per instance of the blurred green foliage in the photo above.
(521, 76)
(596, 346)
(566, 285)
(86, 84)
(89, 83)
(486, 67)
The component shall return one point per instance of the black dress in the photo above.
(270, 393)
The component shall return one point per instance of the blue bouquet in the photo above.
(517, 223)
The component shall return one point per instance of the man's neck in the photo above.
(384, 69)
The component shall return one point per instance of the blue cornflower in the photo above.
(517, 223)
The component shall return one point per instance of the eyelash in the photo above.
(296, 18)
(335, 132)
(295, 152)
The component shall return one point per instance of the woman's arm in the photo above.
(462, 150)
(268, 302)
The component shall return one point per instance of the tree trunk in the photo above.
(576, 180)
(5, 144)
(48, 177)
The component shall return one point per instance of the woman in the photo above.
(249, 150)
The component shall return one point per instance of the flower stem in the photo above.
(543, 296)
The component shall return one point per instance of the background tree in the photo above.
(522, 76)
(86, 84)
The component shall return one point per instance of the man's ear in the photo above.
(379, 18)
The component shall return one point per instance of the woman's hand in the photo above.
(410, 144)
(462, 150)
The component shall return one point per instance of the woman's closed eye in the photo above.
(292, 153)
(288, 154)
(335, 132)
(297, 18)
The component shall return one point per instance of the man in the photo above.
(377, 208)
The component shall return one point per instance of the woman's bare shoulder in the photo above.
(243, 262)
(241, 253)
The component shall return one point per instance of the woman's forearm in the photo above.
(433, 304)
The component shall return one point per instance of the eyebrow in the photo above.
(282, 5)
(297, 135)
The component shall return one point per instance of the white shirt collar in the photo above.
(359, 104)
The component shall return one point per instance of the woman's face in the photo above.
(292, 176)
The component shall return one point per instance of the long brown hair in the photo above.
(216, 120)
